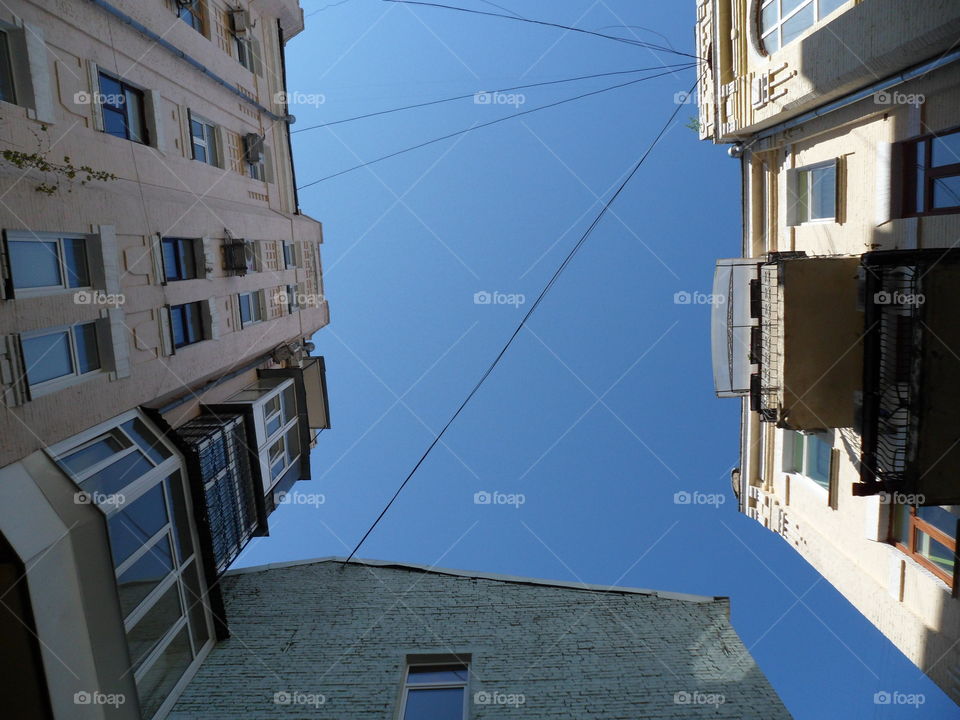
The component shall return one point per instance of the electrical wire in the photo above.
(499, 90)
(481, 125)
(523, 322)
(629, 41)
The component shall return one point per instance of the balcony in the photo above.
(911, 376)
(787, 335)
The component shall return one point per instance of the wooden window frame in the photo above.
(905, 179)
(916, 524)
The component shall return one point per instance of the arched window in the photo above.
(783, 21)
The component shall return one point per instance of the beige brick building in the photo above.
(159, 288)
(838, 331)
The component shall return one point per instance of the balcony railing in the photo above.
(770, 342)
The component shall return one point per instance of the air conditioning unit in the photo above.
(240, 21)
(253, 147)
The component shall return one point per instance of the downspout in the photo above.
(286, 110)
(154, 37)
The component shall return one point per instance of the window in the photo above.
(122, 108)
(244, 50)
(204, 139)
(179, 258)
(251, 307)
(256, 170)
(289, 255)
(783, 21)
(186, 323)
(136, 480)
(252, 256)
(8, 92)
(45, 263)
(293, 299)
(435, 692)
(931, 175)
(812, 193)
(52, 356)
(928, 535)
(808, 455)
(191, 12)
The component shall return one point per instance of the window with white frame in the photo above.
(293, 298)
(42, 263)
(808, 455)
(435, 691)
(54, 357)
(289, 255)
(8, 90)
(252, 307)
(812, 193)
(203, 134)
(134, 476)
(122, 108)
(780, 22)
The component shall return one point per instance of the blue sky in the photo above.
(603, 409)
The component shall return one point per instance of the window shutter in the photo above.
(6, 278)
(267, 165)
(117, 329)
(256, 52)
(840, 175)
(156, 253)
(212, 320)
(793, 202)
(833, 490)
(166, 331)
(93, 73)
(221, 149)
(153, 109)
(203, 256)
(885, 190)
(104, 244)
(39, 64)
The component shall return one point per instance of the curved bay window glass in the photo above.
(134, 476)
(783, 21)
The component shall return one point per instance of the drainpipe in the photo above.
(854, 97)
(286, 109)
(151, 35)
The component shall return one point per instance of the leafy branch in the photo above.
(66, 169)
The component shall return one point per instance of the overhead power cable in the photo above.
(481, 125)
(499, 90)
(617, 38)
(523, 322)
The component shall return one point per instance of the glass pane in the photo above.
(434, 704)
(199, 152)
(823, 193)
(7, 93)
(276, 450)
(276, 470)
(140, 579)
(921, 176)
(134, 102)
(293, 443)
(188, 260)
(769, 16)
(77, 462)
(793, 27)
(136, 523)
(170, 267)
(114, 122)
(147, 440)
(935, 552)
(289, 404)
(788, 6)
(117, 475)
(803, 196)
(818, 460)
(195, 608)
(420, 674)
(771, 42)
(946, 150)
(181, 522)
(273, 425)
(151, 628)
(245, 309)
(109, 86)
(47, 357)
(946, 192)
(34, 264)
(828, 6)
(88, 351)
(940, 518)
(75, 261)
(160, 679)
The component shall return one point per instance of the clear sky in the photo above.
(603, 409)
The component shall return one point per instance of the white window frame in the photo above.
(798, 466)
(58, 383)
(208, 142)
(11, 236)
(465, 684)
(818, 17)
(258, 307)
(798, 207)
